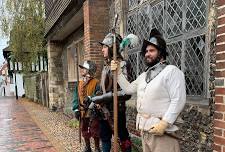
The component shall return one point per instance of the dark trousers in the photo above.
(106, 131)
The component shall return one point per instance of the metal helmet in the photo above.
(108, 41)
(157, 40)
(90, 66)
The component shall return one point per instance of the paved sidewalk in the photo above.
(19, 133)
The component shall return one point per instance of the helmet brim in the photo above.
(147, 43)
(82, 67)
(101, 43)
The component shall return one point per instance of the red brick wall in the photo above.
(96, 21)
(219, 116)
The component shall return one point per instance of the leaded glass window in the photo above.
(183, 25)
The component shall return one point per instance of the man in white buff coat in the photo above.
(161, 96)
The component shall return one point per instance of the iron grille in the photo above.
(178, 21)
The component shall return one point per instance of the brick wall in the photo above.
(95, 28)
(219, 118)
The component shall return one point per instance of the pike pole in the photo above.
(115, 100)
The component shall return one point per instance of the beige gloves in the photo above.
(115, 65)
(159, 128)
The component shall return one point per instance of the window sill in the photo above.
(199, 101)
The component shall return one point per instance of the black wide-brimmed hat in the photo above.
(156, 39)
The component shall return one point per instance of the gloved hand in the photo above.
(77, 114)
(115, 65)
(87, 101)
(159, 128)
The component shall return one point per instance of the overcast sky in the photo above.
(3, 44)
(3, 41)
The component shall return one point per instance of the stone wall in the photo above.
(36, 87)
(55, 75)
(195, 127)
(30, 84)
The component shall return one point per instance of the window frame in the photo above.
(184, 36)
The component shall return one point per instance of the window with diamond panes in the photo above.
(132, 58)
(143, 20)
(157, 13)
(174, 18)
(183, 25)
(175, 53)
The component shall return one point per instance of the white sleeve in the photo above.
(175, 85)
(129, 88)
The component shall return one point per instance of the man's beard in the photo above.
(153, 62)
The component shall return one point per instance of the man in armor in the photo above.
(161, 96)
(106, 100)
(86, 88)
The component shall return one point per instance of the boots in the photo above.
(126, 146)
(87, 145)
(87, 149)
(106, 146)
(97, 148)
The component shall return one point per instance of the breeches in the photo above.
(90, 128)
(154, 143)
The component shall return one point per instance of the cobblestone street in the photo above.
(18, 131)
